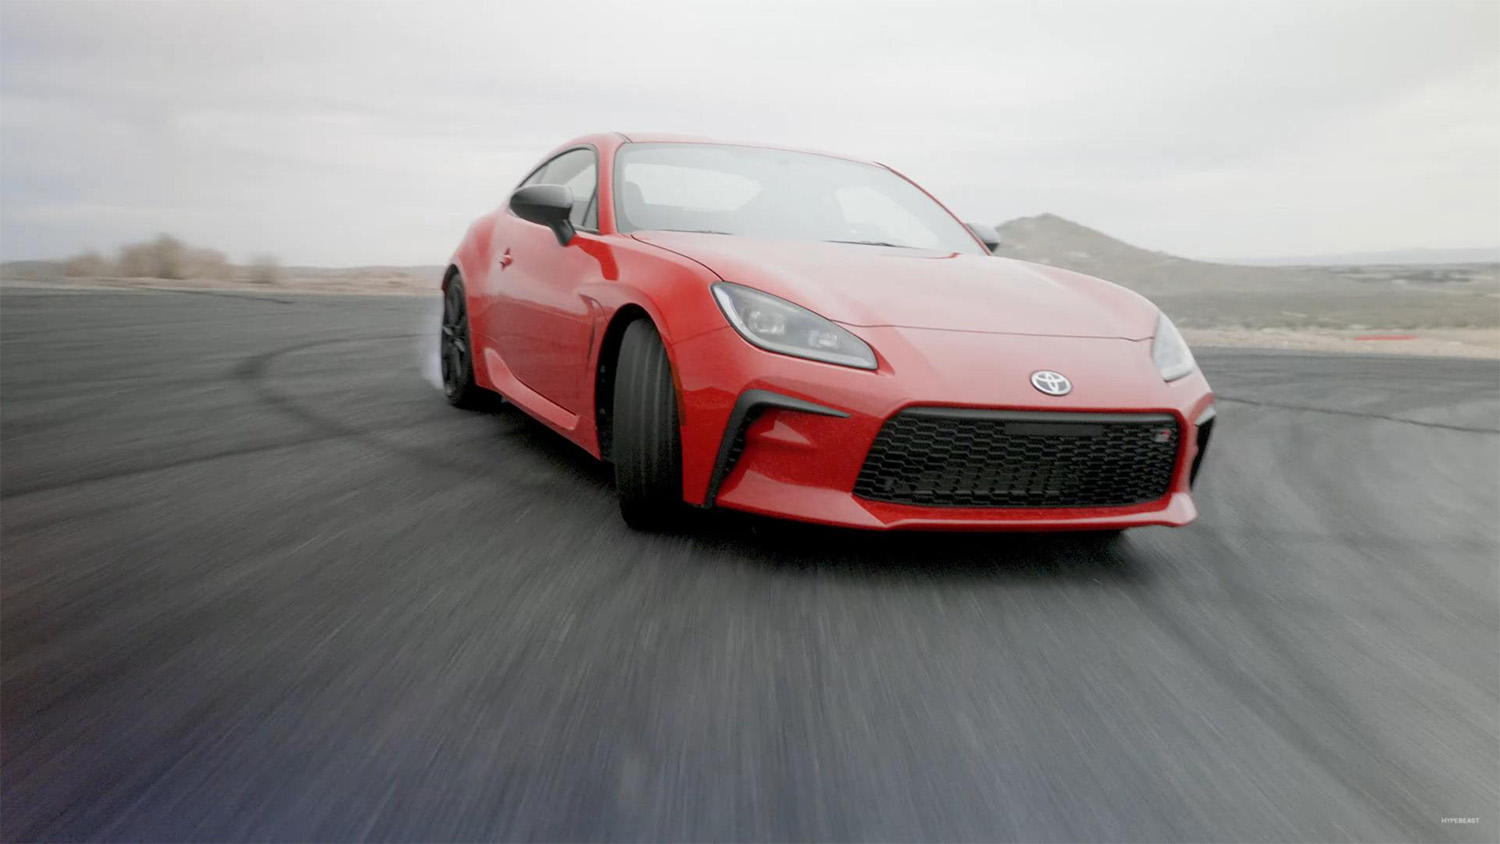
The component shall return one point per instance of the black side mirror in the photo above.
(986, 234)
(546, 205)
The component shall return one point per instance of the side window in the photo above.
(584, 184)
(577, 171)
(534, 178)
(591, 216)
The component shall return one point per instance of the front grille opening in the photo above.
(950, 457)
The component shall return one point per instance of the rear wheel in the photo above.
(457, 352)
(646, 444)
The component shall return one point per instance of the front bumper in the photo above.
(785, 437)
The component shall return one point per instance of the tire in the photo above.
(456, 351)
(646, 443)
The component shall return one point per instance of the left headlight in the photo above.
(776, 325)
(1170, 352)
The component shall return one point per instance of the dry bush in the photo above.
(86, 265)
(135, 261)
(265, 269)
(163, 257)
(168, 257)
(206, 263)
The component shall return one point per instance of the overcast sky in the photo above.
(355, 133)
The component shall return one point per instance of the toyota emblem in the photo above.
(1051, 383)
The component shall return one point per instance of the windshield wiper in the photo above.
(697, 231)
(872, 243)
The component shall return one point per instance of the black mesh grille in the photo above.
(948, 457)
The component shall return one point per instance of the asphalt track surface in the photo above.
(260, 582)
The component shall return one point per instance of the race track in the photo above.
(261, 582)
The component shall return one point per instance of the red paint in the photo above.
(538, 328)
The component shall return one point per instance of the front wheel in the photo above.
(646, 444)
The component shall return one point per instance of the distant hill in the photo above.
(1387, 258)
(31, 269)
(1050, 239)
(1203, 293)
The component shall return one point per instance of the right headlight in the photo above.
(1170, 352)
(776, 325)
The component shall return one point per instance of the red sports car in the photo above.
(815, 337)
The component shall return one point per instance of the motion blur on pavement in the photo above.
(259, 581)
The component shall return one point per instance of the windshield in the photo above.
(774, 193)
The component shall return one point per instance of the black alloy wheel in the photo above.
(455, 351)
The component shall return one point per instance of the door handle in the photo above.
(505, 260)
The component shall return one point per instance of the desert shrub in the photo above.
(164, 257)
(168, 257)
(135, 261)
(265, 269)
(205, 263)
(86, 265)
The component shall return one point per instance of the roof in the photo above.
(674, 138)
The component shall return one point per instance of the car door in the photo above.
(539, 322)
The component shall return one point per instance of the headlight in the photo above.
(777, 325)
(1170, 352)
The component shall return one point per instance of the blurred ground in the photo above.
(260, 582)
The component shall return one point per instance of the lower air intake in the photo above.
(951, 457)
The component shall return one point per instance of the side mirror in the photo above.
(546, 205)
(986, 234)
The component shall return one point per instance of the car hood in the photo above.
(913, 288)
